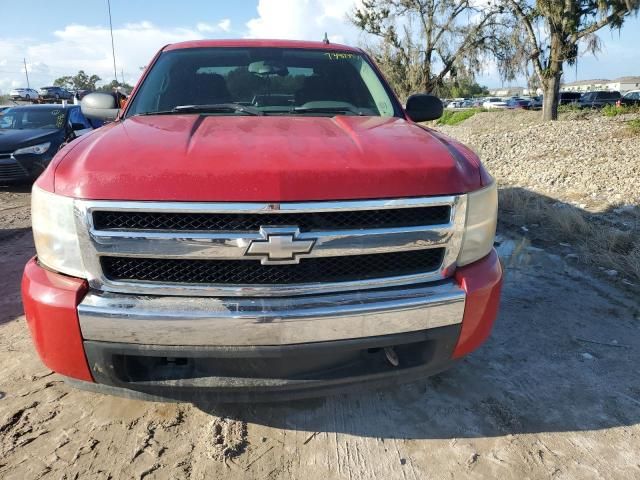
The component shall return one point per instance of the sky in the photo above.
(74, 34)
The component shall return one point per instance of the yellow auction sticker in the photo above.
(339, 55)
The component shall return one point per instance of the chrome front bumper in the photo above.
(206, 321)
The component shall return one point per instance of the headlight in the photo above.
(35, 149)
(480, 227)
(54, 232)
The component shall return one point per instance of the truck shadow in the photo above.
(16, 247)
(563, 357)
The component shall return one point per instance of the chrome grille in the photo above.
(206, 249)
(391, 218)
(246, 272)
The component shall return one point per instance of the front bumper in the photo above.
(242, 348)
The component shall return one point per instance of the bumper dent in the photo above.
(156, 320)
(482, 283)
(50, 301)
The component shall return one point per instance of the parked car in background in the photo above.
(629, 98)
(518, 103)
(80, 94)
(568, 98)
(494, 103)
(23, 94)
(30, 135)
(599, 99)
(536, 103)
(55, 93)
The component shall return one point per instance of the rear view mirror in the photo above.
(422, 107)
(77, 126)
(268, 67)
(101, 106)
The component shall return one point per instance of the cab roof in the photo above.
(45, 106)
(262, 43)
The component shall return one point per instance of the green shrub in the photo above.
(454, 117)
(570, 108)
(613, 110)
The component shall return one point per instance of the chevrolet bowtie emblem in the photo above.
(279, 246)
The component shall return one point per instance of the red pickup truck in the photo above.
(262, 219)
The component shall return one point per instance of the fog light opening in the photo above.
(391, 356)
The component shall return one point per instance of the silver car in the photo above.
(24, 94)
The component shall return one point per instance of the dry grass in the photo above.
(633, 126)
(596, 241)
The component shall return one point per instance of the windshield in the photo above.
(275, 81)
(29, 118)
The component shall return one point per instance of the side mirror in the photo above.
(100, 106)
(422, 107)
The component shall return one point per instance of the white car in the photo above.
(24, 94)
(493, 103)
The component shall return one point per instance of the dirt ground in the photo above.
(555, 393)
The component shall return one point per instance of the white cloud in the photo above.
(304, 20)
(88, 48)
(222, 26)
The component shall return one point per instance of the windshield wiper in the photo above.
(211, 108)
(219, 107)
(341, 109)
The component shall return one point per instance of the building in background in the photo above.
(622, 84)
(508, 91)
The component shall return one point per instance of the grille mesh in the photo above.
(251, 272)
(308, 221)
(11, 170)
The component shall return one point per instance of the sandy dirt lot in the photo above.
(555, 393)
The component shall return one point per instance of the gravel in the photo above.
(595, 159)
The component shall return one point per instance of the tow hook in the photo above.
(392, 356)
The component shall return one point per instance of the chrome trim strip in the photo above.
(225, 245)
(264, 207)
(154, 320)
(234, 245)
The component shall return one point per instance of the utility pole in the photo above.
(122, 75)
(24, 60)
(113, 48)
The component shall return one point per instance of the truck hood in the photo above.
(269, 158)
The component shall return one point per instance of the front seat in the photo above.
(210, 88)
(191, 88)
(316, 88)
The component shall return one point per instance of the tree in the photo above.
(423, 42)
(81, 81)
(567, 24)
(64, 82)
(462, 87)
(113, 84)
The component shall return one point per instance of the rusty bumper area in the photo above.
(185, 348)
